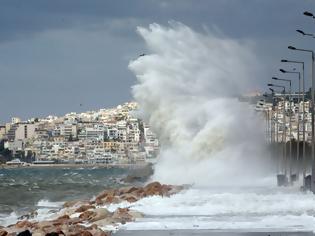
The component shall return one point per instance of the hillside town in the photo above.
(106, 136)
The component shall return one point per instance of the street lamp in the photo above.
(267, 116)
(298, 123)
(290, 124)
(312, 113)
(275, 120)
(303, 109)
(307, 13)
(304, 34)
(282, 180)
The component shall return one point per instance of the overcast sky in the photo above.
(56, 55)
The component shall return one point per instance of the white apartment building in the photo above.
(66, 130)
(92, 133)
(15, 120)
(2, 131)
(25, 131)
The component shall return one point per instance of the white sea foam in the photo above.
(7, 219)
(49, 204)
(244, 209)
(186, 89)
(45, 210)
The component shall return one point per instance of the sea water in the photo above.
(241, 209)
(45, 189)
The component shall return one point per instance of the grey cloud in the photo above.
(58, 54)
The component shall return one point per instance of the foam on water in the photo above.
(187, 88)
(47, 203)
(7, 219)
(46, 210)
(246, 209)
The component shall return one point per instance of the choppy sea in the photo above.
(45, 189)
(265, 208)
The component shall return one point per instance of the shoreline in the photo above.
(132, 166)
(91, 217)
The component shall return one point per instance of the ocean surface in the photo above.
(227, 209)
(196, 210)
(45, 189)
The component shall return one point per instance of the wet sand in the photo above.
(205, 232)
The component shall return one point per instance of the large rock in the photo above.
(100, 214)
(154, 188)
(71, 203)
(109, 192)
(135, 214)
(122, 215)
(107, 200)
(129, 197)
(87, 215)
(24, 224)
(3, 232)
(24, 233)
(84, 208)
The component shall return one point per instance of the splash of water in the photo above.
(186, 88)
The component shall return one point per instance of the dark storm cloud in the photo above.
(57, 54)
(235, 17)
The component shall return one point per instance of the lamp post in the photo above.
(298, 123)
(276, 135)
(282, 179)
(267, 117)
(307, 13)
(312, 114)
(303, 110)
(304, 34)
(290, 125)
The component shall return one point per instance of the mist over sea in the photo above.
(25, 190)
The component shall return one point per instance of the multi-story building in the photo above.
(2, 132)
(25, 131)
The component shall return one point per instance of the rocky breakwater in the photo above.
(91, 217)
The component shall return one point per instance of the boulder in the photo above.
(24, 233)
(62, 220)
(24, 224)
(75, 203)
(111, 199)
(3, 232)
(129, 197)
(122, 215)
(98, 232)
(154, 186)
(84, 208)
(87, 215)
(109, 192)
(128, 190)
(54, 234)
(64, 217)
(135, 214)
(100, 214)
(70, 203)
(43, 225)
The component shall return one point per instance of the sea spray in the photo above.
(187, 87)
